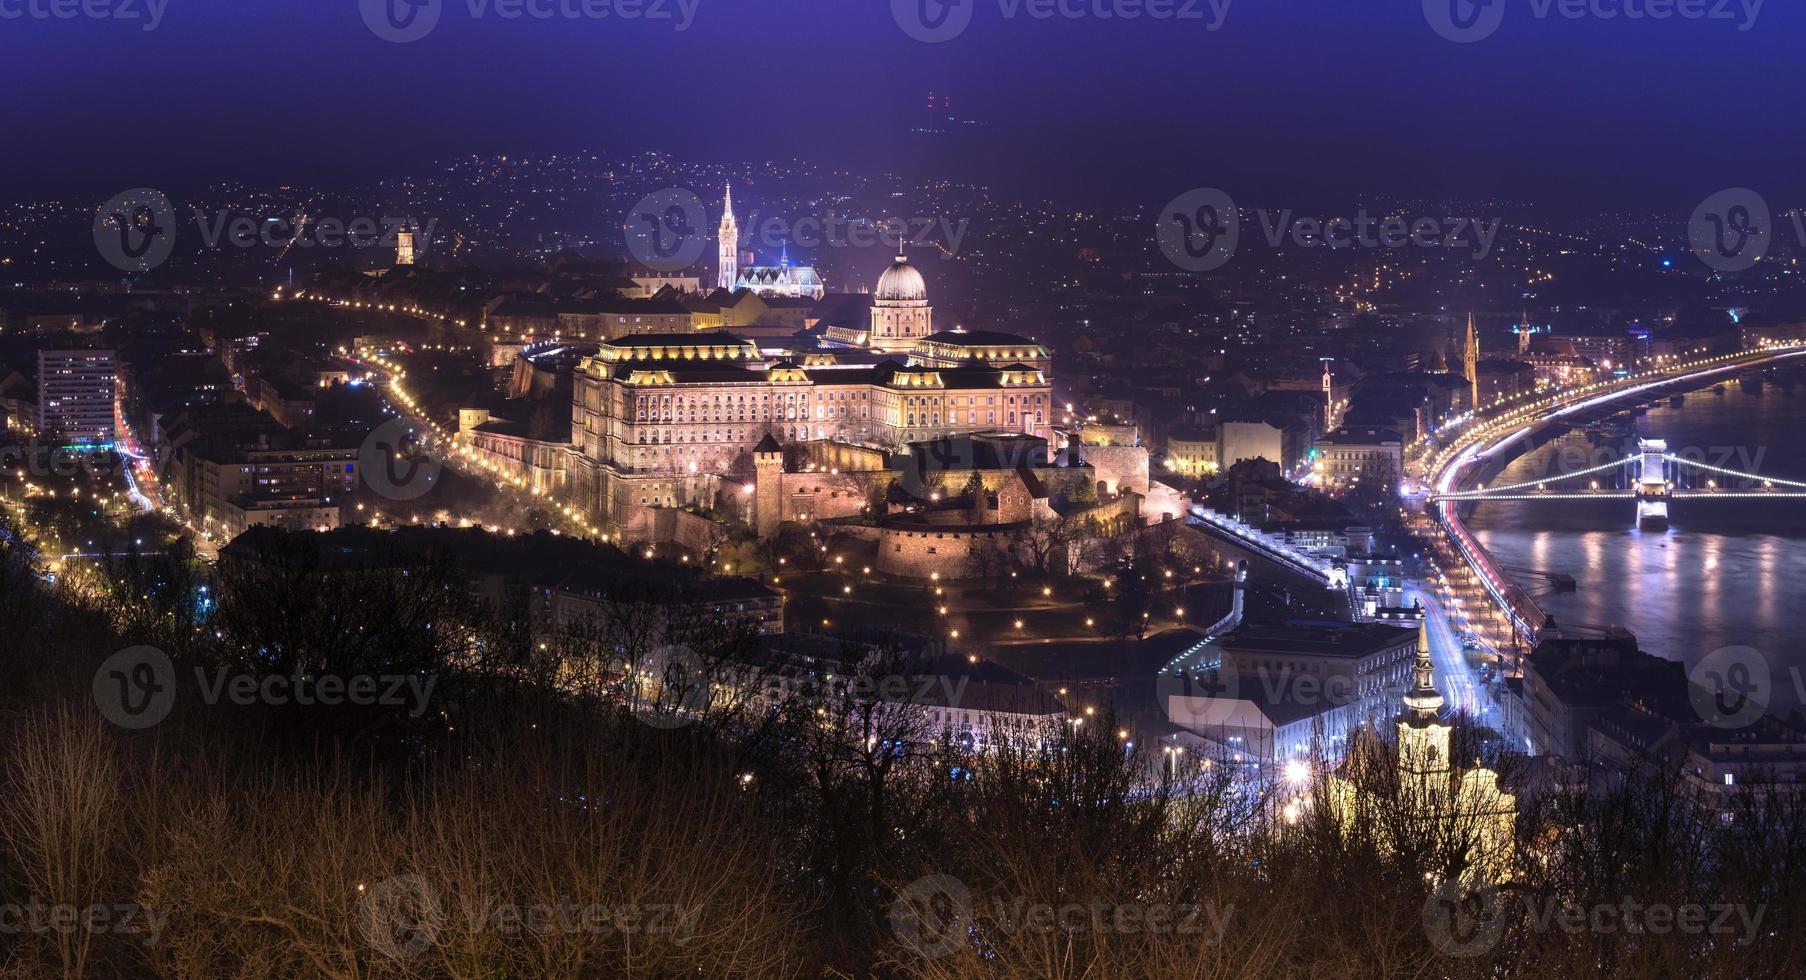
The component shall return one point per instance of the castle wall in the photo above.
(845, 457)
(819, 496)
(1121, 467)
(692, 532)
(918, 552)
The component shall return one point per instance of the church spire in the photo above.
(728, 252)
(1470, 362)
(1422, 703)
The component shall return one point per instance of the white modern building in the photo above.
(76, 394)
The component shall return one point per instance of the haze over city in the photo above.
(928, 488)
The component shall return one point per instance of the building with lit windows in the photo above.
(954, 348)
(1560, 369)
(782, 280)
(1192, 452)
(227, 469)
(76, 392)
(659, 419)
(1282, 689)
(1355, 453)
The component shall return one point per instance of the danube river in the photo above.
(1727, 572)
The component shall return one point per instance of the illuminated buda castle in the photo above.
(668, 419)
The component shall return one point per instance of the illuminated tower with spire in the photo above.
(729, 245)
(1459, 810)
(1329, 397)
(404, 246)
(1470, 362)
(1524, 332)
(1423, 740)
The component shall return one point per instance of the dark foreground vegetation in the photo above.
(544, 814)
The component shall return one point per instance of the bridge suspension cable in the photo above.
(1485, 494)
(1719, 469)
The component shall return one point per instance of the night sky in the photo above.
(1313, 99)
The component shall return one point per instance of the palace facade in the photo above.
(660, 420)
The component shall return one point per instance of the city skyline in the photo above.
(925, 489)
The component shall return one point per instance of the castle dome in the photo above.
(902, 283)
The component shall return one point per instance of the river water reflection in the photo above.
(1726, 573)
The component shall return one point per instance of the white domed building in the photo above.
(901, 316)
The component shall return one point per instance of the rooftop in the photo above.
(1348, 641)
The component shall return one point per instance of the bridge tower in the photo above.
(1652, 485)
